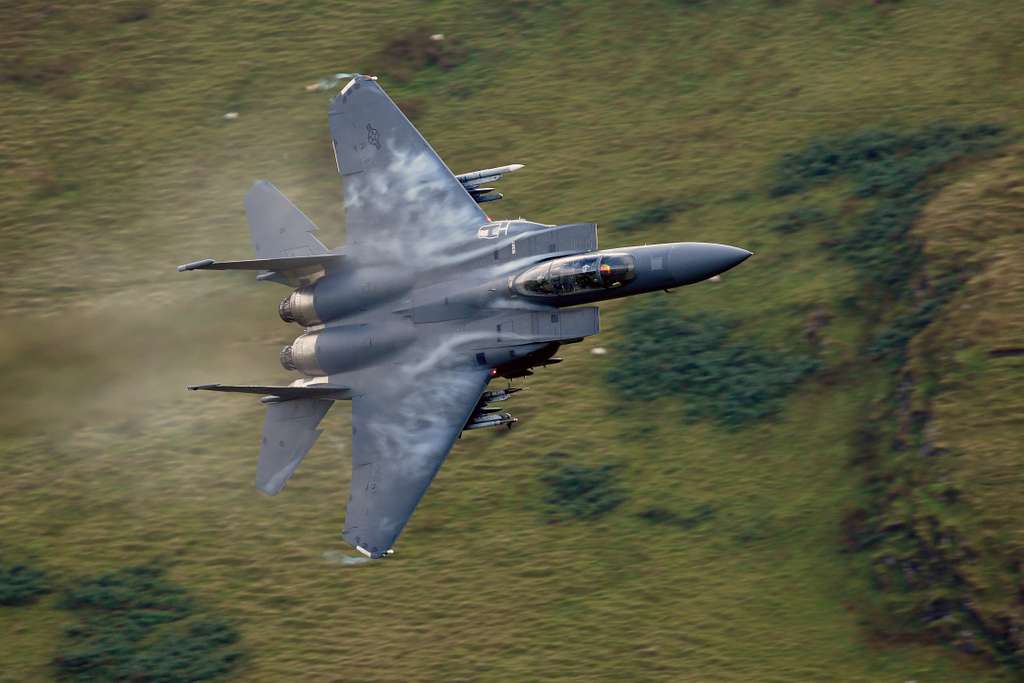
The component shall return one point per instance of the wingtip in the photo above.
(379, 555)
(196, 265)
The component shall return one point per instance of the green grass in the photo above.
(135, 625)
(21, 585)
(579, 491)
(699, 358)
(117, 165)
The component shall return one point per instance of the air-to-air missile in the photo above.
(491, 420)
(487, 175)
(474, 179)
(499, 395)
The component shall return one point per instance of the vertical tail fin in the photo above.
(289, 431)
(279, 229)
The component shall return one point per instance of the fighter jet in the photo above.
(425, 303)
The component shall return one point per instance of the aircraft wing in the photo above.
(402, 429)
(400, 197)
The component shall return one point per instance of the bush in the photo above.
(798, 219)
(699, 515)
(881, 247)
(133, 590)
(655, 214)
(416, 49)
(134, 11)
(881, 162)
(136, 626)
(665, 354)
(891, 167)
(581, 491)
(21, 585)
(892, 339)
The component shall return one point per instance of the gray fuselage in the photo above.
(492, 293)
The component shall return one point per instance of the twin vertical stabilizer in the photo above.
(289, 431)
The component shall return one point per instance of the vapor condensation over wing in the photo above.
(400, 198)
(402, 431)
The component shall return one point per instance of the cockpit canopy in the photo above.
(576, 274)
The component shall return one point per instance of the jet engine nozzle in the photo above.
(301, 355)
(341, 348)
(298, 307)
(287, 361)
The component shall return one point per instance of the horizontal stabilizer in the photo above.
(287, 393)
(286, 249)
(285, 263)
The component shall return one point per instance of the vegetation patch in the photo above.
(882, 162)
(891, 339)
(889, 168)
(697, 516)
(419, 48)
(132, 12)
(920, 557)
(21, 585)
(698, 358)
(656, 213)
(136, 626)
(581, 491)
(26, 71)
(803, 217)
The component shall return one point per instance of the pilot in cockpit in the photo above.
(577, 274)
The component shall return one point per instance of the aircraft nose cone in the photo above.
(697, 261)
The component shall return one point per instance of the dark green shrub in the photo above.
(667, 354)
(891, 340)
(134, 11)
(21, 585)
(658, 213)
(132, 590)
(581, 491)
(881, 162)
(881, 247)
(658, 515)
(892, 168)
(798, 219)
(136, 626)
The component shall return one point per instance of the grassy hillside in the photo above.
(117, 164)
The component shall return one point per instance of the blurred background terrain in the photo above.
(809, 471)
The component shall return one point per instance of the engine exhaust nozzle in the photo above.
(298, 307)
(300, 355)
